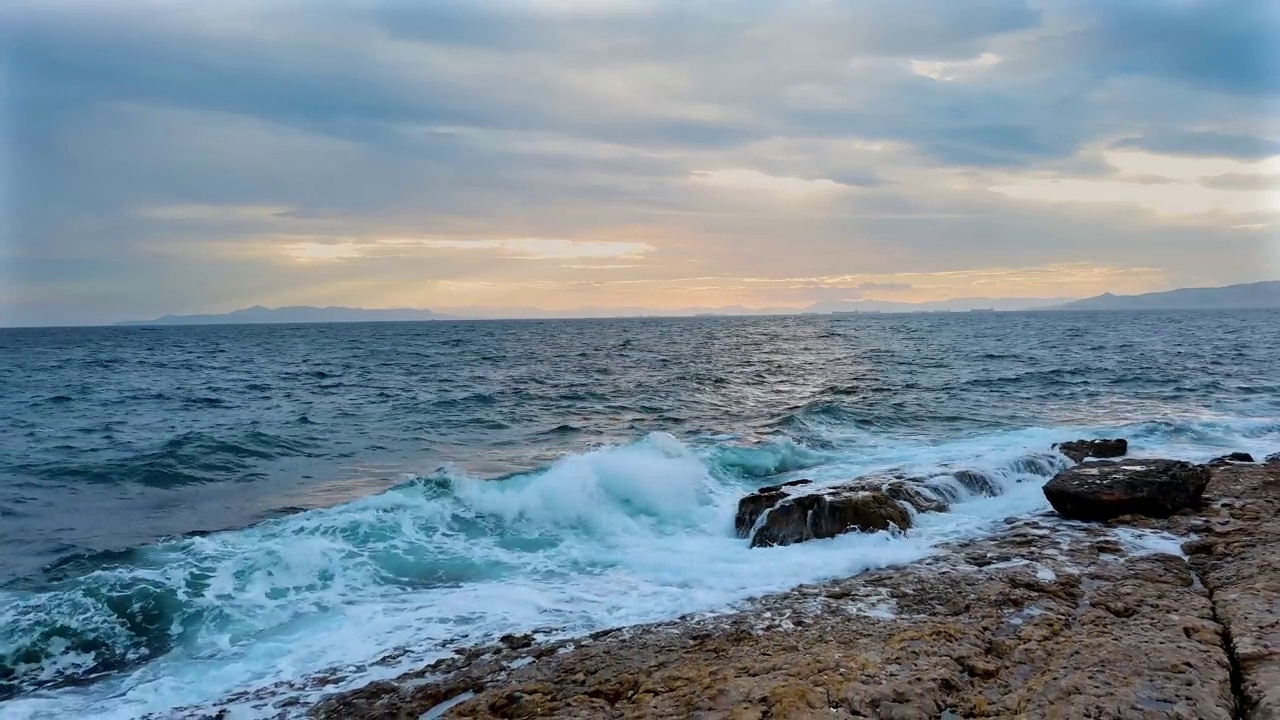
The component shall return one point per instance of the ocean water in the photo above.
(188, 513)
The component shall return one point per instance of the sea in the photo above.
(196, 517)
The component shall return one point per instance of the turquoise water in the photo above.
(187, 513)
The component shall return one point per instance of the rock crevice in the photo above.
(1241, 704)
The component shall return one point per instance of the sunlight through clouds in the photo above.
(560, 153)
(516, 248)
(753, 180)
(1168, 185)
(948, 70)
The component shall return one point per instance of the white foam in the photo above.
(614, 537)
(1139, 541)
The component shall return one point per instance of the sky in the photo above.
(169, 156)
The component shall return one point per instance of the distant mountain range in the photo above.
(1252, 295)
(297, 314)
(305, 314)
(954, 305)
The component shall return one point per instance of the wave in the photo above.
(766, 459)
(616, 536)
(189, 458)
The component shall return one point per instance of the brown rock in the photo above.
(829, 513)
(751, 507)
(977, 483)
(1058, 625)
(1080, 450)
(1106, 490)
(917, 496)
(516, 642)
(1235, 457)
(1243, 579)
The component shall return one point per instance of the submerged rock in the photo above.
(1235, 457)
(916, 495)
(977, 483)
(1080, 450)
(751, 507)
(829, 513)
(1103, 490)
(791, 512)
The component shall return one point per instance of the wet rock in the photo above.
(1243, 579)
(1235, 457)
(977, 483)
(1040, 464)
(1103, 490)
(1044, 619)
(915, 495)
(828, 513)
(516, 642)
(751, 507)
(1080, 450)
(1273, 459)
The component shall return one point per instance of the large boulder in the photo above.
(1272, 459)
(828, 513)
(1102, 490)
(751, 507)
(1080, 450)
(1231, 458)
(908, 492)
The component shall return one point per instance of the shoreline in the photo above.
(1183, 610)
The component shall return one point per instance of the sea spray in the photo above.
(614, 536)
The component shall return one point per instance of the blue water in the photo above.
(190, 512)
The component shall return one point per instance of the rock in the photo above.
(751, 507)
(1102, 490)
(828, 513)
(977, 483)
(1043, 619)
(1272, 459)
(1235, 457)
(1243, 578)
(1079, 450)
(1044, 464)
(516, 642)
(905, 491)
(917, 496)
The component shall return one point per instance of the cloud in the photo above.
(1243, 181)
(754, 180)
(948, 70)
(1202, 144)
(885, 286)
(1225, 46)
(170, 157)
(535, 248)
(514, 248)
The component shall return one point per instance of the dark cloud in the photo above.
(1202, 143)
(505, 120)
(1226, 46)
(1242, 181)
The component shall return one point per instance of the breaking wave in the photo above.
(614, 536)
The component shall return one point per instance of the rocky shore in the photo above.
(1172, 614)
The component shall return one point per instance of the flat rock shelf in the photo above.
(1135, 617)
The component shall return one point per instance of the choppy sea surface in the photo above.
(192, 512)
